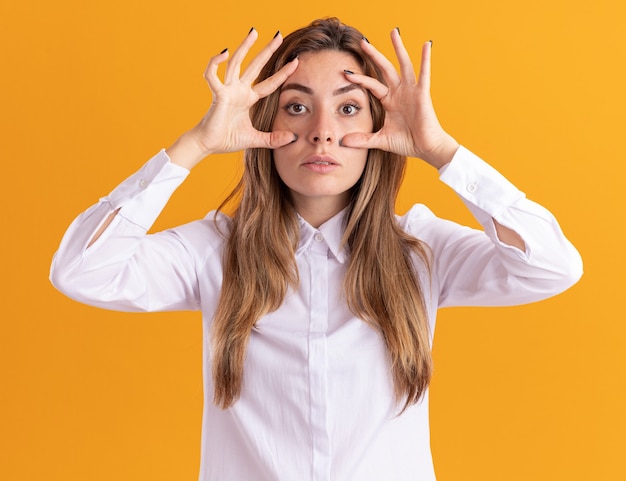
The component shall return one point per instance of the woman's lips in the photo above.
(321, 164)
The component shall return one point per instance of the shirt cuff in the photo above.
(142, 196)
(479, 184)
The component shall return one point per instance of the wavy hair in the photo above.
(259, 259)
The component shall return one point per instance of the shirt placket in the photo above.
(318, 373)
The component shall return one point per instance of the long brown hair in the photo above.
(381, 284)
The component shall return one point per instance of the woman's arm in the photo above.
(106, 258)
(473, 267)
(103, 227)
(509, 236)
(524, 255)
(121, 267)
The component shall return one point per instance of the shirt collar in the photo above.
(331, 233)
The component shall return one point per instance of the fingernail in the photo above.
(348, 72)
(295, 137)
(277, 33)
(340, 142)
(250, 30)
(431, 43)
(398, 30)
(224, 51)
(365, 38)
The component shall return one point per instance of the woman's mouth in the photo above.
(320, 164)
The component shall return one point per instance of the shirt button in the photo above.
(318, 237)
(142, 183)
(471, 188)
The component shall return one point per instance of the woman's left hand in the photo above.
(411, 126)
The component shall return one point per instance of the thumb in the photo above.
(359, 140)
(276, 139)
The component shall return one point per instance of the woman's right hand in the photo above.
(226, 127)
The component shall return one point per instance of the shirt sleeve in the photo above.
(125, 269)
(473, 267)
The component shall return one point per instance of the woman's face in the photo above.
(319, 105)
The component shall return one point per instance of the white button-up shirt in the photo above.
(317, 401)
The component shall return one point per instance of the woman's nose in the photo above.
(322, 131)
(322, 138)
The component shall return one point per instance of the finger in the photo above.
(378, 89)
(361, 140)
(234, 65)
(424, 77)
(257, 63)
(274, 140)
(270, 84)
(210, 74)
(406, 65)
(390, 75)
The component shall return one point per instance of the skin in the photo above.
(321, 106)
(411, 126)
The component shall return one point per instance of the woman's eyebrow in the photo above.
(347, 88)
(309, 91)
(299, 87)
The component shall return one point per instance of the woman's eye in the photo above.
(295, 109)
(350, 109)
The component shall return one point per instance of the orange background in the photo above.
(90, 90)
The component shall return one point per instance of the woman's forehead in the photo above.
(323, 68)
(331, 59)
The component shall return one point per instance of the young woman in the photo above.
(318, 302)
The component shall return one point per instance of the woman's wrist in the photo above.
(443, 152)
(187, 151)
